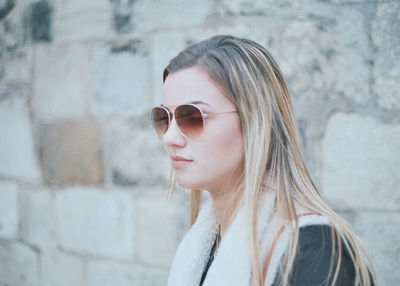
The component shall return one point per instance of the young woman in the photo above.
(227, 123)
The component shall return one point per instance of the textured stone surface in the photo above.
(355, 149)
(164, 46)
(122, 15)
(17, 158)
(121, 79)
(8, 210)
(108, 274)
(386, 38)
(323, 70)
(18, 265)
(151, 15)
(37, 22)
(6, 7)
(255, 7)
(164, 225)
(135, 154)
(38, 224)
(15, 67)
(67, 68)
(71, 152)
(82, 20)
(62, 269)
(96, 222)
(379, 234)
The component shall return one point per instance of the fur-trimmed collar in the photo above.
(232, 262)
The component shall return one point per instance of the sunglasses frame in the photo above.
(172, 116)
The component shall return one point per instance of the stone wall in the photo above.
(83, 177)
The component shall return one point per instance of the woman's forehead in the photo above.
(192, 85)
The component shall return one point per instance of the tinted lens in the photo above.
(189, 120)
(160, 120)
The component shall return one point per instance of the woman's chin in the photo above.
(187, 184)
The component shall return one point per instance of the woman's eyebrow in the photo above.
(193, 102)
(199, 102)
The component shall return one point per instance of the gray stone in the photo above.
(8, 210)
(71, 152)
(62, 80)
(121, 83)
(164, 46)
(61, 269)
(159, 15)
(255, 7)
(380, 235)
(134, 153)
(164, 226)
(15, 67)
(17, 158)
(102, 273)
(18, 265)
(360, 163)
(6, 7)
(122, 14)
(322, 71)
(38, 224)
(386, 38)
(96, 222)
(37, 22)
(82, 20)
(10, 31)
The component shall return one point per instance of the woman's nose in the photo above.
(174, 137)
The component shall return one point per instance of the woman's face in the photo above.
(214, 161)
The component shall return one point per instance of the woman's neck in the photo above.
(224, 205)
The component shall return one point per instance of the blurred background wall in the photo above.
(83, 177)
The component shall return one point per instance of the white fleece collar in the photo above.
(232, 262)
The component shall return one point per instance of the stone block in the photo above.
(38, 224)
(121, 82)
(8, 210)
(37, 21)
(109, 274)
(17, 157)
(164, 46)
(255, 7)
(380, 236)
(71, 152)
(6, 7)
(135, 154)
(386, 39)
(81, 20)
(61, 269)
(15, 67)
(322, 70)
(360, 163)
(18, 265)
(164, 226)
(83, 6)
(151, 15)
(122, 15)
(9, 27)
(62, 81)
(96, 222)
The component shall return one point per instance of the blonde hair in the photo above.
(250, 77)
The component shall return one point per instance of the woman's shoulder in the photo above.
(313, 260)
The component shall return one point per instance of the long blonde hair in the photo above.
(252, 80)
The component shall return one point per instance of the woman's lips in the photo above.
(179, 162)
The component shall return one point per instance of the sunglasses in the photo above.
(189, 118)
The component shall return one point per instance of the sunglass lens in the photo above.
(160, 120)
(189, 120)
